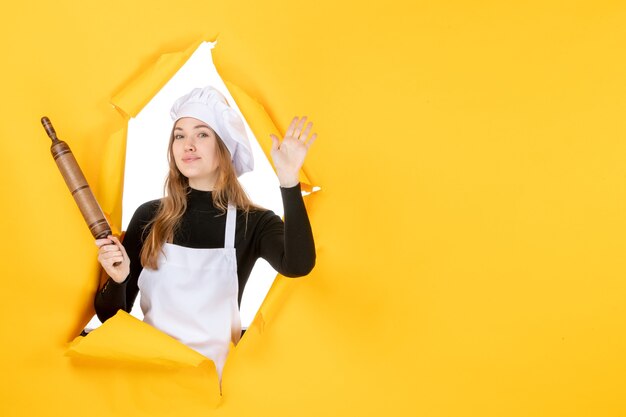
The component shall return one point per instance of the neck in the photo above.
(202, 185)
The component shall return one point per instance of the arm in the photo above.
(120, 290)
(289, 246)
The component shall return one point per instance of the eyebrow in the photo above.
(195, 127)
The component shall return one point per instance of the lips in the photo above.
(190, 158)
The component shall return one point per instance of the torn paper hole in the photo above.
(146, 165)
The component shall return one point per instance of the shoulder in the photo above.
(259, 214)
(145, 212)
(259, 220)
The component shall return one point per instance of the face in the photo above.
(195, 152)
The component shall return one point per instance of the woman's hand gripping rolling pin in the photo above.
(111, 252)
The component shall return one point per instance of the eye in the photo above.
(203, 135)
(178, 136)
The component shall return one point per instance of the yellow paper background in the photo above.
(470, 229)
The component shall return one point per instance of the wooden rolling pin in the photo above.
(76, 182)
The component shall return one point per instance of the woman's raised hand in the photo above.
(109, 254)
(289, 154)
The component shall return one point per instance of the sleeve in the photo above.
(120, 296)
(288, 246)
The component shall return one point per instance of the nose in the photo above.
(189, 145)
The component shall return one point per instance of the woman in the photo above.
(191, 252)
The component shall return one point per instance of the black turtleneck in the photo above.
(287, 246)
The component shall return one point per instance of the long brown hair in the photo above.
(173, 205)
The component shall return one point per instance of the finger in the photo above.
(275, 142)
(102, 242)
(291, 127)
(113, 260)
(111, 247)
(307, 131)
(114, 239)
(115, 246)
(121, 247)
(106, 257)
(299, 127)
(116, 242)
(310, 142)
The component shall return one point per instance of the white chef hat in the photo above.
(210, 106)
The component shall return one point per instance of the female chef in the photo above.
(191, 252)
